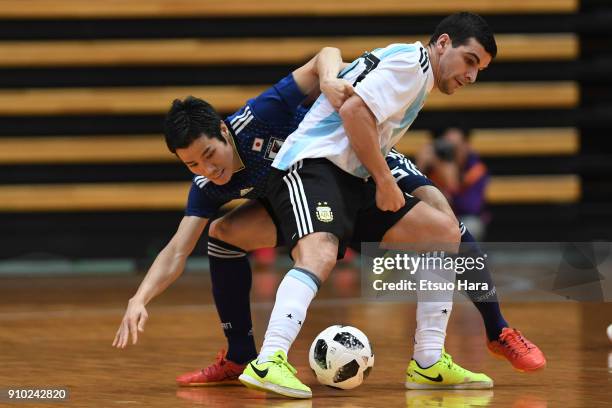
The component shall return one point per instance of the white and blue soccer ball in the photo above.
(341, 357)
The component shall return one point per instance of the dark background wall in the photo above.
(142, 233)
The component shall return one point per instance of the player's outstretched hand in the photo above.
(337, 91)
(389, 197)
(133, 322)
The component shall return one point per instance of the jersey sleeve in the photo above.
(278, 104)
(200, 204)
(392, 85)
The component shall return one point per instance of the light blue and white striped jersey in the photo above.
(393, 82)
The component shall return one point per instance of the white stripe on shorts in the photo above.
(298, 200)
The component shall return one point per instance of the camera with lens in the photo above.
(444, 150)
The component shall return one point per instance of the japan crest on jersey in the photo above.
(274, 146)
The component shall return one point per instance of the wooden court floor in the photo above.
(58, 332)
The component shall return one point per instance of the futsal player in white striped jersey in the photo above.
(332, 171)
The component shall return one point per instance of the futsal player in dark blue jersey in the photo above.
(231, 159)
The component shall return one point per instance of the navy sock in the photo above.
(231, 279)
(485, 301)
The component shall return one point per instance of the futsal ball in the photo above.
(341, 357)
(609, 331)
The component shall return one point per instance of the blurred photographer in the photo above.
(459, 173)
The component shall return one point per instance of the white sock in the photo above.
(433, 311)
(432, 318)
(293, 297)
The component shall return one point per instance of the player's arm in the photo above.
(361, 129)
(385, 90)
(320, 74)
(167, 267)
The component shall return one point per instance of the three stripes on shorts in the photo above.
(299, 203)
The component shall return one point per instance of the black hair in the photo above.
(189, 119)
(460, 27)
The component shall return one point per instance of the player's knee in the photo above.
(444, 234)
(221, 229)
(317, 253)
(434, 197)
(440, 203)
(328, 258)
(322, 260)
(448, 230)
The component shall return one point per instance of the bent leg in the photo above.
(485, 301)
(427, 228)
(315, 257)
(248, 227)
(230, 237)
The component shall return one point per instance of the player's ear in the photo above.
(443, 42)
(224, 130)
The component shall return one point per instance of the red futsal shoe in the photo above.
(222, 371)
(520, 352)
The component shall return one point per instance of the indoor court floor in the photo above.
(57, 332)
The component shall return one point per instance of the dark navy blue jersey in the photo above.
(259, 129)
(407, 176)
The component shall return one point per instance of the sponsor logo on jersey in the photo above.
(245, 191)
(257, 144)
(274, 145)
(324, 212)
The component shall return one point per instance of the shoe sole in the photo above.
(466, 386)
(255, 384)
(210, 384)
(520, 370)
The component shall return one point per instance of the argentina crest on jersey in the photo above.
(324, 213)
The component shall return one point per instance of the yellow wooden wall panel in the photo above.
(41, 9)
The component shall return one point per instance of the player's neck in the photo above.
(434, 60)
(237, 163)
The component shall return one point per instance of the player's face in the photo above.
(210, 157)
(459, 66)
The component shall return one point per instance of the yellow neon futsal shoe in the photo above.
(445, 374)
(275, 375)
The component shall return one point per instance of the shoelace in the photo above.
(515, 340)
(219, 361)
(448, 360)
(281, 361)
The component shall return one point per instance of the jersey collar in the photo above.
(235, 147)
